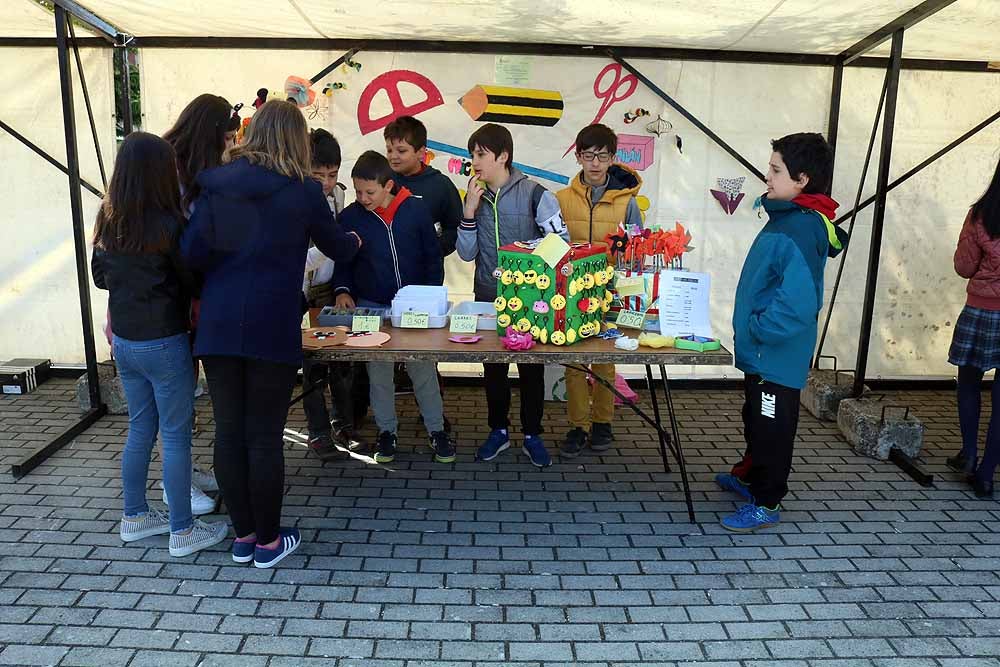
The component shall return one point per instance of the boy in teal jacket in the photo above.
(778, 300)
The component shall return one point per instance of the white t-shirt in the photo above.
(319, 267)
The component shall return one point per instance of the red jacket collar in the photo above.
(820, 203)
(389, 212)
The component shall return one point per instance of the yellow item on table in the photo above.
(655, 340)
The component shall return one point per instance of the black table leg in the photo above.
(660, 433)
(675, 439)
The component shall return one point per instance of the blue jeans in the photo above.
(157, 376)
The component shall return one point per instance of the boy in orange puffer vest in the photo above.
(597, 201)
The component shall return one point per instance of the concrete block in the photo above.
(824, 391)
(875, 427)
(112, 391)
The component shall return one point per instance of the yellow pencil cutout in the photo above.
(502, 104)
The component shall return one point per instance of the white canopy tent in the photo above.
(747, 55)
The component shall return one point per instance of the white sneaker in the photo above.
(153, 522)
(201, 536)
(200, 503)
(204, 479)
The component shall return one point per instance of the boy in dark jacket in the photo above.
(406, 148)
(399, 248)
(778, 299)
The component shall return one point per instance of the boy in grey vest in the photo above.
(503, 206)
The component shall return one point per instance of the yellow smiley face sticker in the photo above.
(558, 302)
(600, 278)
(588, 329)
(514, 304)
(571, 335)
(594, 304)
(543, 282)
(523, 325)
(605, 306)
(507, 277)
(530, 277)
(543, 336)
(518, 278)
(503, 320)
(588, 281)
(573, 288)
(500, 304)
(608, 297)
(535, 332)
(558, 338)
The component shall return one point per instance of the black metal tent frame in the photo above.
(854, 56)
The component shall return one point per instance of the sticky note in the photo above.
(630, 285)
(464, 323)
(368, 323)
(633, 319)
(552, 249)
(414, 320)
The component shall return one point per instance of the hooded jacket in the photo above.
(521, 211)
(780, 292)
(977, 258)
(441, 198)
(588, 221)
(399, 248)
(248, 235)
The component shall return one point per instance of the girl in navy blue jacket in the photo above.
(249, 235)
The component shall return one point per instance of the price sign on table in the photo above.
(414, 320)
(464, 323)
(633, 319)
(369, 323)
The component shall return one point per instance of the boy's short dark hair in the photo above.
(408, 129)
(325, 148)
(807, 153)
(494, 138)
(372, 166)
(597, 136)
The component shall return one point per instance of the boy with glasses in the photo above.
(597, 201)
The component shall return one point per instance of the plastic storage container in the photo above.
(485, 309)
(433, 321)
(331, 316)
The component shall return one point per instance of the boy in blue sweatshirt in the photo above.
(778, 299)
(399, 248)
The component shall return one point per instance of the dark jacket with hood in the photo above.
(248, 235)
(150, 293)
(780, 292)
(400, 248)
(441, 198)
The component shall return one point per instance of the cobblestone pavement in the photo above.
(590, 562)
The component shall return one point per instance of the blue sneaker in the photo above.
(496, 442)
(243, 551)
(730, 482)
(534, 447)
(289, 541)
(749, 518)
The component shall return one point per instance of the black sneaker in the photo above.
(982, 488)
(574, 443)
(322, 446)
(601, 437)
(385, 448)
(444, 448)
(962, 464)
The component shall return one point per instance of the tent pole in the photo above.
(86, 101)
(878, 222)
(123, 91)
(833, 124)
(48, 158)
(76, 205)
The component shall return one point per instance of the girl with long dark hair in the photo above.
(136, 259)
(975, 347)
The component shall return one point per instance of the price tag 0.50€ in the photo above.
(464, 324)
(633, 319)
(414, 320)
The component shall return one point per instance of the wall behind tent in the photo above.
(39, 298)
(748, 105)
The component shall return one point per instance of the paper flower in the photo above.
(517, 340)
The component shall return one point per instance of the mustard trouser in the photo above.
(578, 397)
